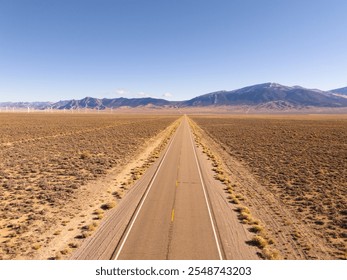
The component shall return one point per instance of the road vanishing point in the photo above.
(166, 215)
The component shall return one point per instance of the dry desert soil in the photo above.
(291, 172)
(60, 173)
(281, 180)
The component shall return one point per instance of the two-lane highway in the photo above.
(168, 213)
(174, 219)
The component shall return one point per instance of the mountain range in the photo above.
(101, 104)
(268, 95)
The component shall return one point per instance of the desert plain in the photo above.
(283, 176)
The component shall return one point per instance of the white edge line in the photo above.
(143, 200)
(208, 205)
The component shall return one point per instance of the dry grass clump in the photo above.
(259, 241)
(36, 246)
(243, 209)
(233, 199)
(256, 229)
(56, 257)
(108, 205)
(244, 215)
(98, 211)
(222, 178)
(65, 251)
(84, 235)
(90, 227)
(137, 172)
(73, 245)
(271, 254)
(296, 235)
(98, 214)
(263, 242)
(87, 231)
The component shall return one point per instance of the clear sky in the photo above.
(53, 50)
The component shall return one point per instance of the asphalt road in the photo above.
(176, 210)
(174, 219)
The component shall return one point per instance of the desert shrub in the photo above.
(259, 241)
(108, 206)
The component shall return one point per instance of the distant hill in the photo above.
(87, 102)
(342, 91)
(25, 105)
(270, 94)
(101, 104)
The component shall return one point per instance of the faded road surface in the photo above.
(168, 213)
(174, 221)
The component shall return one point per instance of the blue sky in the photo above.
(173, 49)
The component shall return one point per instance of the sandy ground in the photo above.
(291, 236)
(82, 216)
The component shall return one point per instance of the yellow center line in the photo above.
(172, 215)
(176, 183)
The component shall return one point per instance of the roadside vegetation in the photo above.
(262, 238)
(301, 161)
(46, 161)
